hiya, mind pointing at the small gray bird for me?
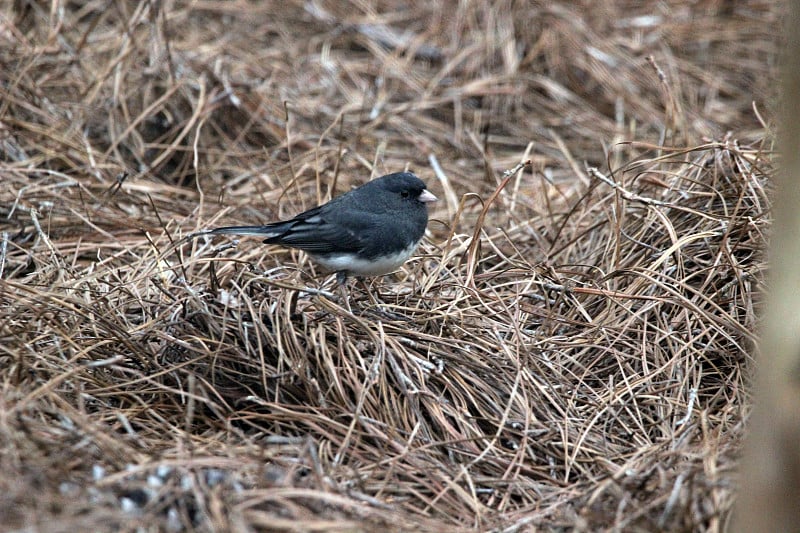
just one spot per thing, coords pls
(369, 231)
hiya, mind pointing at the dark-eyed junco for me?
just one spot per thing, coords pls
(369, 231)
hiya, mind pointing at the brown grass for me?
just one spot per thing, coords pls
(569, 350)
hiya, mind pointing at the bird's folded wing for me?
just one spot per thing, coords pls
(323, 234)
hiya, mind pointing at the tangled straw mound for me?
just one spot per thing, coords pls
(570, 349)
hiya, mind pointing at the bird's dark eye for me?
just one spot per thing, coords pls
(404, 194)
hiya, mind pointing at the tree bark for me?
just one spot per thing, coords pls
(769, 496)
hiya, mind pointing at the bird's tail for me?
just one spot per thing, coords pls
(267, 231)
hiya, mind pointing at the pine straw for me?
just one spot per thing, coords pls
(570, 349)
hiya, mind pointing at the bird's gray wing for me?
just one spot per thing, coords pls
(321, 232)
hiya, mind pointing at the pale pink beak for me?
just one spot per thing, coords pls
(427, 197)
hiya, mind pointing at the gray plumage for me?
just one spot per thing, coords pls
(371, 230)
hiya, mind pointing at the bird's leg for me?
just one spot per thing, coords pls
(341, 282)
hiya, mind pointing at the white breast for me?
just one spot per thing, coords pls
(362, 267)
